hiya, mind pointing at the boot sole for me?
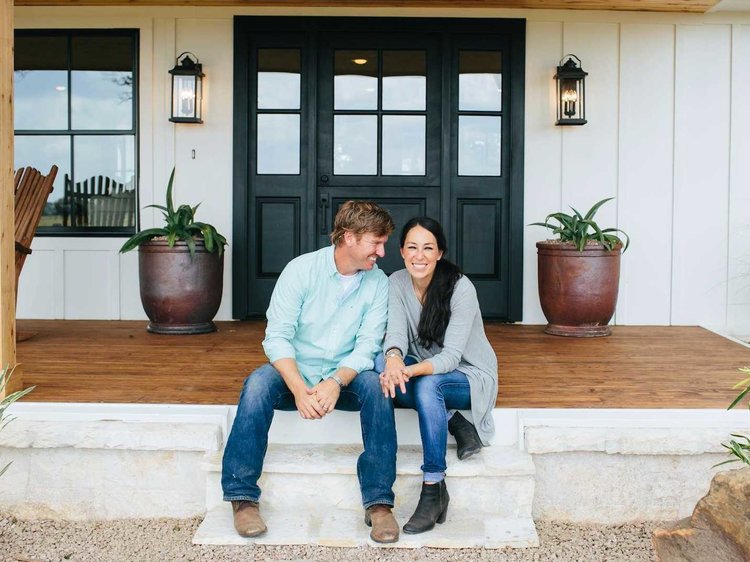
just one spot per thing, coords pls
(469, 453)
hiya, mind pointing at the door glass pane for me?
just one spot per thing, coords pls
(404, 80)
(278, 144)
(355, 81)
(42, 152)
(102, 83)
(41, 83)
(355, 145)
(480, 80)
(403, 145)
(278, 79)
(479, 141)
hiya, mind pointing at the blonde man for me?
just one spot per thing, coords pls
(326, 322)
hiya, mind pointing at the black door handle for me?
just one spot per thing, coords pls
(323, 203)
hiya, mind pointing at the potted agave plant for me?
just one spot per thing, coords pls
(181, 270)
(579, 273)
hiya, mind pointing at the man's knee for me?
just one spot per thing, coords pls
(368, 388)
(261, 384)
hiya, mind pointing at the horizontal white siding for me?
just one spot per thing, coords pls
(668, 135)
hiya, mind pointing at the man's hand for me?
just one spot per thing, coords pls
(307, 404)
(327, 393)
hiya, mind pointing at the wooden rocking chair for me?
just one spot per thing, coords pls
(32, 191)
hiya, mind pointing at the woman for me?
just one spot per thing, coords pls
(434, 317)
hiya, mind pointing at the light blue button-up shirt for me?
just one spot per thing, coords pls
(310, 322)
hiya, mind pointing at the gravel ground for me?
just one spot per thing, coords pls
(163, 540)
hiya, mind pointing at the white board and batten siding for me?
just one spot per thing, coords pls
(668, 136)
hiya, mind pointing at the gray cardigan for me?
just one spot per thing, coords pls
(466, 347)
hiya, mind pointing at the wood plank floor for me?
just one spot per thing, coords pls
(637, 367)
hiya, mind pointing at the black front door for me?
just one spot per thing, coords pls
(422, 116)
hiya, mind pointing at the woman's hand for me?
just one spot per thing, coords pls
(395, 374)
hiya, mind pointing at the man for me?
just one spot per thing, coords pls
(326, 322)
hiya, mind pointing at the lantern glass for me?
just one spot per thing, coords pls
(185, 104)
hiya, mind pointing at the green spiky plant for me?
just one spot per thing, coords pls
(739, 448)
(180, 225)
(581, 229)
(5, 374)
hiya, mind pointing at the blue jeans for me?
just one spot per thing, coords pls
(432, 396)
(265, 391)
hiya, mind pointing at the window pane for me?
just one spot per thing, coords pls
(480, 81)
(403, 145)
(278, 79)
(102, 83)
(479, 141)
(355, 82)
(355, 145)
(41, 99)
(104, 190)
(404, 80)
(278, 144)
(41, 52)
(41, 82)
(42, 152)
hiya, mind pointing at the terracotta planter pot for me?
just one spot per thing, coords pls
(180, 294)
(578, 290)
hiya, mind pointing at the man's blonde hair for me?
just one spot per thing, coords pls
(360, 217)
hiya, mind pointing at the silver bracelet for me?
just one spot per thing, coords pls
(394, 352)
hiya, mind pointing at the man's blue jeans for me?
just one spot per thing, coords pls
(265, 391)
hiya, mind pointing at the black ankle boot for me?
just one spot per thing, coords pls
(432, 508)
(467, 438)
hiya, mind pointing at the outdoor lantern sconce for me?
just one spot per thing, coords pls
(571, 92)
(187, 89)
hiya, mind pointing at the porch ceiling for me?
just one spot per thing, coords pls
(694, 6)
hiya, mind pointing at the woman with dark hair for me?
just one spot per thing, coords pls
(437, 360)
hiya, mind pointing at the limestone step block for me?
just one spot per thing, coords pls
(346, 528)
(498, 482)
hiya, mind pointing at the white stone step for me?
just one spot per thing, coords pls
(310, 495)
(346, 528)
(497, 482)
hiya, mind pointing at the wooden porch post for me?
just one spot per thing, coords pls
(7, 195)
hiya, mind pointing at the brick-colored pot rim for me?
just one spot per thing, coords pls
(568, 248)
(180, 246)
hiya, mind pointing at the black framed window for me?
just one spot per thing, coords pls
(76, 102)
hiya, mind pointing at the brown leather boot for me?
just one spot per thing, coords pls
(247, 519)
(384, 526)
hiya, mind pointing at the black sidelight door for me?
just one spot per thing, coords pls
(422, 116)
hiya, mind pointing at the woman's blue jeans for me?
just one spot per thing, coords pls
(265, 391)
(432, 396)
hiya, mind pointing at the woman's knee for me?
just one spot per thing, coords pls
(427, 390)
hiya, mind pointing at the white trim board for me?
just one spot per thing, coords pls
(342, 427)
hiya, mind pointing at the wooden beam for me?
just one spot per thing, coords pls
(7, 197)
(693, 6)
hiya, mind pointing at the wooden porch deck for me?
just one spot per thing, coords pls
(638, 367)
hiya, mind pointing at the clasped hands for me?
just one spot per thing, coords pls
(396, 374)
(320, 400)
